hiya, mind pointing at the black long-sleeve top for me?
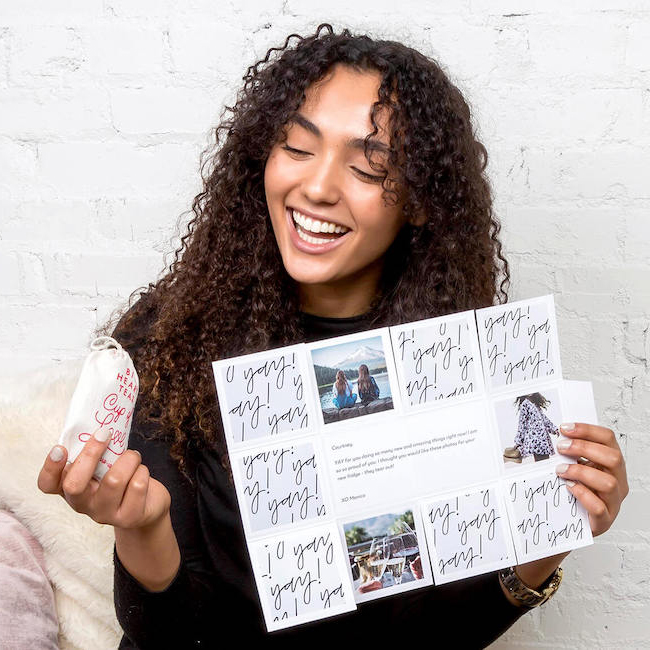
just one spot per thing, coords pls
(213, 599)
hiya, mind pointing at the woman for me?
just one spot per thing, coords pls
(534, 430)
(348, 193)
(342, 389)
(368, 389)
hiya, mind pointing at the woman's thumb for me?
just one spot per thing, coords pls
(49, 478)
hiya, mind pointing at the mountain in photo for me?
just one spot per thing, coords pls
(363, 354)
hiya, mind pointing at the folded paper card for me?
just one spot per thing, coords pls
(416, 454)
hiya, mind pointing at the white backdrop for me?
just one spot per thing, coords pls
(105, 106)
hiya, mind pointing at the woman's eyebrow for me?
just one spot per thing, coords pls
(353, 143)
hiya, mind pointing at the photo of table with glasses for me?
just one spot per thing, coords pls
(386, 560)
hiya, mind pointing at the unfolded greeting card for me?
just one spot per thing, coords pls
(388, 460)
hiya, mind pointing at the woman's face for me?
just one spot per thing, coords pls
(330, 221)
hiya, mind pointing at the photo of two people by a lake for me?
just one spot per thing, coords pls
(352, 379)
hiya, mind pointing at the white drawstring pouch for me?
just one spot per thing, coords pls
(105, 396)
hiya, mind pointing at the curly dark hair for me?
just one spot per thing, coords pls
(227, 292)
(536, 398)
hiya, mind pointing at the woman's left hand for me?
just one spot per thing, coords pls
(600, 483)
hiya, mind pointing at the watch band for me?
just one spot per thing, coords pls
(523, 594)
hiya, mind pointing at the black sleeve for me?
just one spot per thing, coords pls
(156, 620)
(177, 614)
(176, 617)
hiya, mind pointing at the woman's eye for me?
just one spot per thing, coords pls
(370, 177)
(286, 147)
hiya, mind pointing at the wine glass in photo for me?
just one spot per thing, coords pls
(378, 557)
(404, 545)
(410, 541)
(396, 567)
(397, 558)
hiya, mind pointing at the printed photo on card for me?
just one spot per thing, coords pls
(280, 486)
(468, 533)
(529, 426)
(302, 577)
(545, 518)
(264, 395)
(519, 342)
(437, 360)
(354, 377)
(387, 554)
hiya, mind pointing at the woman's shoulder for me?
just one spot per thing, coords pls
(134, 326)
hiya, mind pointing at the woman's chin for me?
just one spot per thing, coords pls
(309, 276)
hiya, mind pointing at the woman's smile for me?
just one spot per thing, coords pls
(312, 235)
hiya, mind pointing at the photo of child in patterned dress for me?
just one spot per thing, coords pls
(527, 427)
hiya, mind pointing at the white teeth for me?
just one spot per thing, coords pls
(313, 240)
(316, 226)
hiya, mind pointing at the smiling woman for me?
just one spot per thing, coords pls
(346, 192)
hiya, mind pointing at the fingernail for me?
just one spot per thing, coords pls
(102, 434)
(569, 483)
(56, 454)
(568, 426)
(563, 445)
(561, 468)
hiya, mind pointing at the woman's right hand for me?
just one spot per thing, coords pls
(127, 497)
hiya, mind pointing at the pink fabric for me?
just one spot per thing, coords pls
(27, 611)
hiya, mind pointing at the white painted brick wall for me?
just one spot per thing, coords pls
(106, 105)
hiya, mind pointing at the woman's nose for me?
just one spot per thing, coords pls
(321, 183)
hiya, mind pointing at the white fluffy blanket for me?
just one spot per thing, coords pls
(78, 551)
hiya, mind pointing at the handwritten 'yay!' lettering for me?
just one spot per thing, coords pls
(474, 525)
(429, 362)
(281, 486)
(547, 513)
(519, 344)
(275, 397)
(302, 576)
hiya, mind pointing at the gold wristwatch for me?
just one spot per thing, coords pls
(523, 594)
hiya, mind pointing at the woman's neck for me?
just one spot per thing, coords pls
(351, 297)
